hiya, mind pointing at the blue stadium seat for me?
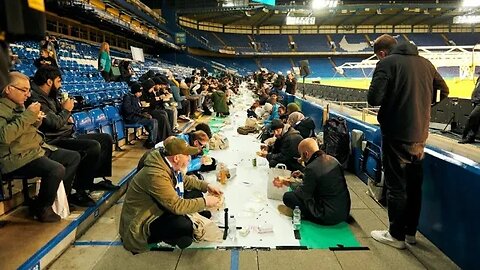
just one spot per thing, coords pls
(101, 122)
(83, 123)
(116, 120)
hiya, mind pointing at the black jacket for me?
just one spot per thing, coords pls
(404, 84)
(306, 127)
(291, 86)
(324, 190)
(49, 61)
(476, 92)
(285, 150)
(131, 110)
(55, 125)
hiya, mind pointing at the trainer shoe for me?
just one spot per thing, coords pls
(410, 239)
(285, 210)
(384, 237)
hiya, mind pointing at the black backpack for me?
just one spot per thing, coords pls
(336, 139)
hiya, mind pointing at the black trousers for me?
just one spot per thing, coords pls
(291, 200)
(164, 125)
(185, 108)
(169, 227)
(96, 152)
(53, 167)
(403, 165)
(473, 123)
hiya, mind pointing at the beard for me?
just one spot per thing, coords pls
(54, 92)
(184, 170)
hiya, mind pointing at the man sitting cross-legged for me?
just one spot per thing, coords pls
(323, 196)
(155, 208)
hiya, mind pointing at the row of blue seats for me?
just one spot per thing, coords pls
(96, 99)
(91, 86)
(103, 120)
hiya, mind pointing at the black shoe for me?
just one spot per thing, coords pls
(467, 140)
(47, 215)
(182, 242)
(105, 185)
(149, 145)
(81, 199)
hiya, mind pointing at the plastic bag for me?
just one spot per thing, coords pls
(274, 192)
(60, 205)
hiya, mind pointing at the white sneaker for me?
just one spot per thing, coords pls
(410, 239)
(385, 238)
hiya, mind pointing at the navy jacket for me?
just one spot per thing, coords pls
(131, 109)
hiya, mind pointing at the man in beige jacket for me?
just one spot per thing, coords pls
(154, 209)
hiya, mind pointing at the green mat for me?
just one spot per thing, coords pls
(216, 124)
(323, 237)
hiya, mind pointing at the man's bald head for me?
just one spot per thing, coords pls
(307, 148)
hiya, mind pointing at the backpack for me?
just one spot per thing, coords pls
(337, 139)
(246, 130)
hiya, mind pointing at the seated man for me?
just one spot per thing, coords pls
(323, 196)
(132, 113)
(155, 208)
(285, 148)
(154, 109)
(219, 99)
(24, 152)
(95, 149)
(304, 125)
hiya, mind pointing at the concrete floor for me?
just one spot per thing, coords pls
(367, 213)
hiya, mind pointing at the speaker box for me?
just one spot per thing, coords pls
(20, 21)
(304, 68)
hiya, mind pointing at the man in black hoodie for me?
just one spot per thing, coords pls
(404, 85)
(473, 122)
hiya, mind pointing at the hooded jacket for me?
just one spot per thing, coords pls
(404, 85)
(476, 92)
(306, 127)
(285, 150)
(151, 193)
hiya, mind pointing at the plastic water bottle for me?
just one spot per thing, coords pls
(232, 228)
(297, 216)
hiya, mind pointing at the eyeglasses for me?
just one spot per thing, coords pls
(24, 90)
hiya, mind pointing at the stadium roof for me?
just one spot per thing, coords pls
(348, 12)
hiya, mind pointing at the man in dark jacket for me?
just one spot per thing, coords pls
(323, 196)
(291, 84)
(95, 149)
(154, 109)
(473, 122)
(404, 85)
(285, 148)
(132, 113)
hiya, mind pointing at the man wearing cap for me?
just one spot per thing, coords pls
(163, 94)
(155, 208)
(132, 113)
(155, 110)
(285, 148)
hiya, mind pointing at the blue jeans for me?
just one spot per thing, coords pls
(151, 125)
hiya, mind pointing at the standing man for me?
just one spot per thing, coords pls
(404, 85)
(473, 122)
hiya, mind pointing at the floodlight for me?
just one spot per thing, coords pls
(470, 3)
(321, 4)
(466, 19)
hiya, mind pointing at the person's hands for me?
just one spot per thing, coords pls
(297, 174)
(41, 115)
(68, 104)
(211, 201)
(206, 160)
(214, 190)
(34, 107)
(262, 153)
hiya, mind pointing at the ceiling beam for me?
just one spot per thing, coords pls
(264, 19)
(389, 17)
